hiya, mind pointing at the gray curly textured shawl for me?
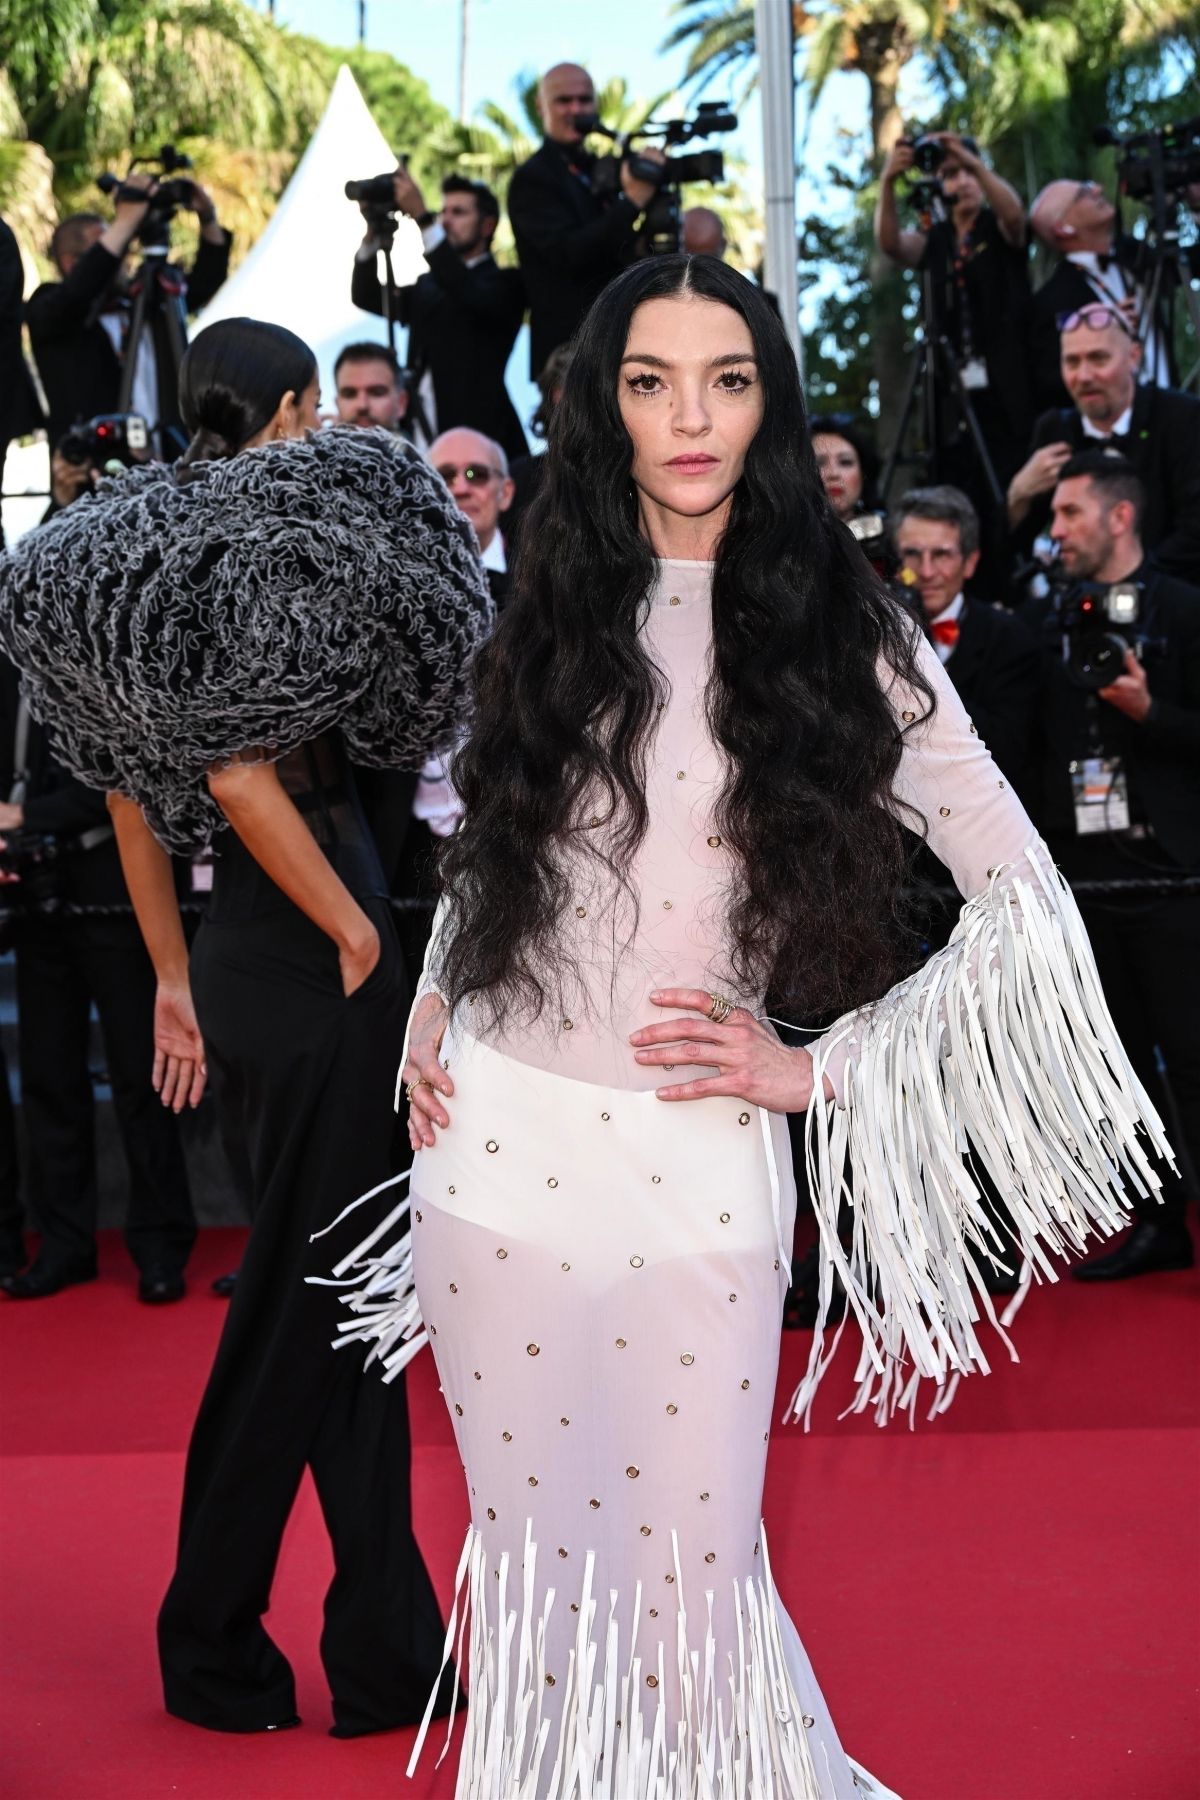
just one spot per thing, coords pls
(161, 627)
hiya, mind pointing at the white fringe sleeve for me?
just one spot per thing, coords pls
(1001, 1045)
(377, 1275)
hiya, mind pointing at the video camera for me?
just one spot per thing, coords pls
(377, 192)
(171, 193)
(1097, 623)
(1165, 160)
(120, 439)
(659, 232)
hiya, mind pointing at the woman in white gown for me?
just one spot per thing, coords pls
(697, 726)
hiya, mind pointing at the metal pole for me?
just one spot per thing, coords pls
(777, 91)
(362, 24)
(464, 18)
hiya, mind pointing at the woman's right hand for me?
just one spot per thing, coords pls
(425, 1108)
(180, 1071)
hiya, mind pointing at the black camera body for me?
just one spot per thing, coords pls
(122, 438)
(377, 192)
(154, 233)
(36, 859)
(1097, 623)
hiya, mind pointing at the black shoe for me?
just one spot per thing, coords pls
(224, 1285)
(999, 1282)
(159, 1287)
(41, 1279)
(1153, 1245)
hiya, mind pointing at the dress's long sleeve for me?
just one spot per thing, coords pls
(1000, 1045)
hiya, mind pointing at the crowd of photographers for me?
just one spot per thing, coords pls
(1052, 557)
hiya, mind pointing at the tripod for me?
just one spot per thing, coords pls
(383, 224)
(1168, 274)
(159, 318)
(934, 376)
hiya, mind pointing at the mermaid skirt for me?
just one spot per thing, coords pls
(602, 1276)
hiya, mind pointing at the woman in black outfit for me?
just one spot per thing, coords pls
(212, 644)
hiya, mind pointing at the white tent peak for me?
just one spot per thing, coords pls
(298, 273)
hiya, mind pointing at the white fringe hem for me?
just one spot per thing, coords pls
(740, 1733)
(1001, 1045)
(382, 1296)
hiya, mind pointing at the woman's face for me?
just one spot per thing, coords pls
(691, 401)
(841, 471)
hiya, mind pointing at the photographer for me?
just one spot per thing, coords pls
(57, 842)
(1120, 781)
(1078, 222)
(571, 241)
(463, 314)
(1156, 429)
(976, 259)
(77, 325)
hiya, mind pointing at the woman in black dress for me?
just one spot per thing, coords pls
(212, 644)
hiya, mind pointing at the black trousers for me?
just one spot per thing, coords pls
(63, 965)
(306, 1077)
(12, 1214)
(1148, 955)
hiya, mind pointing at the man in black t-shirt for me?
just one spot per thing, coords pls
(976, 258)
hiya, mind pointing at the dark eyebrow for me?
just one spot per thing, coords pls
(717, 362)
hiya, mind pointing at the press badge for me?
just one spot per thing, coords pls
(1101, 796)
(974, 373)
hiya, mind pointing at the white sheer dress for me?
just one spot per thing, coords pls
(601, 1274)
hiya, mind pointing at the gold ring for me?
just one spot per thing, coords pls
(410, 1090)
(720, 1009)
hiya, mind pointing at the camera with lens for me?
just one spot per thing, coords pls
(1098, 623)
(870, 532)
(377, 192)
(929, 153)
(659, 231)
(120, 438)
(1163, 161)
(35, 859)
(171, 193)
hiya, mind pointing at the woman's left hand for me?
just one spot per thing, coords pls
(753, 1065)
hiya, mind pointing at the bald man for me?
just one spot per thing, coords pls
(702, 233)
(571, 239)
(1077, 221)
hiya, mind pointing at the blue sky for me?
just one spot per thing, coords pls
(509, 38)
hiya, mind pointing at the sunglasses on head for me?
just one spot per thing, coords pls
(478, 474)
(1095, 318)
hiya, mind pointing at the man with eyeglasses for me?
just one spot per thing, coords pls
(987, 653)
(1078, 222)
(1156, 429)
(571, 240)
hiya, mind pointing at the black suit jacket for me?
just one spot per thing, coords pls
(462, 324)
(570, 243)
(995, 668)
(1161, 756)
(1164, 448)
(74, 353)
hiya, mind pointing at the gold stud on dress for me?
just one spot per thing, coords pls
(687, 1359)
(635, 1262)
(714, 843)
(533, 1350)
(491, 1146)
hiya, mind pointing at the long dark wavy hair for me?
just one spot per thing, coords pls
(566, 698)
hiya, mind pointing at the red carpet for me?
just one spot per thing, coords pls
(1003, 1606)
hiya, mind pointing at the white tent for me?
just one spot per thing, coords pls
(298, 273)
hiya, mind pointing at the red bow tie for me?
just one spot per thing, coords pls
(944, 631)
